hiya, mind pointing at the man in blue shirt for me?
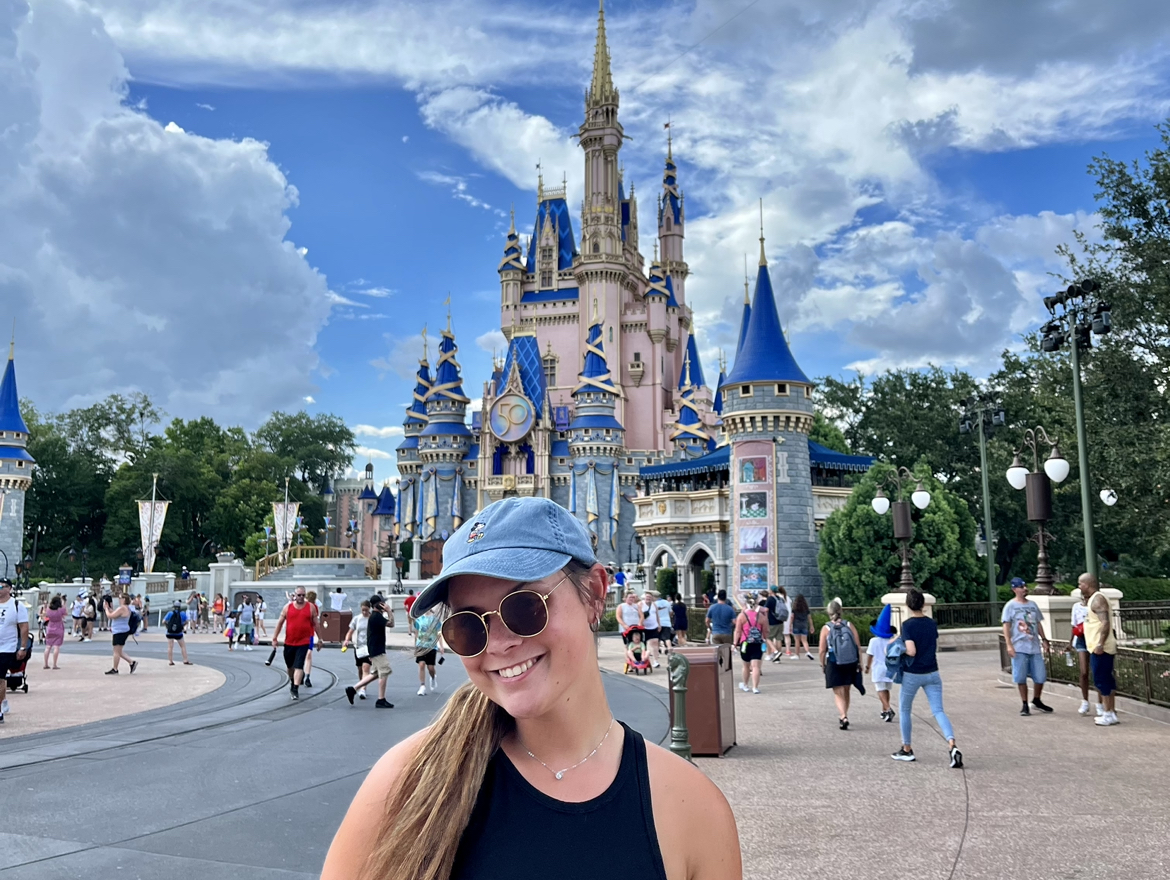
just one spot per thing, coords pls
(720, 621)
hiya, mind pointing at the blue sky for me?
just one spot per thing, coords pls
(240, 206)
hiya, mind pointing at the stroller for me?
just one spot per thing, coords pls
(18, 677)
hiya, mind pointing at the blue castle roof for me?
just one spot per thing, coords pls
(416, 414)
(717, 403)
(595, 373)
(832, 460)
(661, 285)
(743, 325)
(385, 503)
(525, 351)
(448, 382)
(559, 210)
(670, 195)
(10, 418)
(692, 355)
(764, 356)
(368, 494)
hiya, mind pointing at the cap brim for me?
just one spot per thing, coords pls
(505, 563)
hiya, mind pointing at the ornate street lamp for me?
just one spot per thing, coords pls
(903, 522)
(1038, 485)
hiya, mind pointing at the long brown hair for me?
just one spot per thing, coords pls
(428, 809)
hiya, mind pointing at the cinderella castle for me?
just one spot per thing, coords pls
(601, 402)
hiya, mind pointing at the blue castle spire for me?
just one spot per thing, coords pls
(385, 503)
(763, 354)
(445, 402)
(696, 365)
(595, 390)
(10, 417)
(660, 283)
(688, 428)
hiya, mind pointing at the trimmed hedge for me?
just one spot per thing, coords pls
(1133, 589)
(666, 582)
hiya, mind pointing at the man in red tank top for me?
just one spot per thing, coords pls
(299, 621)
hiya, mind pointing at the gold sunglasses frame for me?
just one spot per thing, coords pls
(487, 629)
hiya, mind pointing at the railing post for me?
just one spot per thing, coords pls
(680, 670)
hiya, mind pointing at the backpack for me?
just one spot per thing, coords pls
(777, 614)
(755, 637)
(896, 660)
(841, 644)
(175, 623)
(135, 619)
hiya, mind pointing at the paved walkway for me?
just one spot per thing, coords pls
(1049, 796)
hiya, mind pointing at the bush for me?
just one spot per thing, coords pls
(609, 622)
(1004, 591)
(1139, 589)
(706, 580)
(666, 581)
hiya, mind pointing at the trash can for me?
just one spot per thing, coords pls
(332, 626)
(710, 699)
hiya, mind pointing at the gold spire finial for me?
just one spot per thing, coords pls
(601, 90)
(655, 250)
(747, 298)
(12, 344)
(687, 368)
(594, 310)
(447, 303)
(512, 223)
(539, 182)
(424, 336)
(763, 259)
(669, 141)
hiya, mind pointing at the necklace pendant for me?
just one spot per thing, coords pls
(560, 774)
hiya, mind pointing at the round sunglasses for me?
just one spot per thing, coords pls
(523, 612)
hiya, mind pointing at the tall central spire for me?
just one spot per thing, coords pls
(601, 90)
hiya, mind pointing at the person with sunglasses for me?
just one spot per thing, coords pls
(529, 745)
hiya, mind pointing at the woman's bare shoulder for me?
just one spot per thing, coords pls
(692, 818)
(351, 844)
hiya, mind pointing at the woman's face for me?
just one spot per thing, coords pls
(631, 599)
(542, 669)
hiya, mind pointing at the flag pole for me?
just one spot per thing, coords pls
(150, 537)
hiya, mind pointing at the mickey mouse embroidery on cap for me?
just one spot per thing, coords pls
(476, 533)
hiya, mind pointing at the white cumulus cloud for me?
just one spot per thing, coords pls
(373, 431)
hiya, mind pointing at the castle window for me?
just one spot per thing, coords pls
(546, 279)
(807, 391)
(596, 247)
(637, 357)
(782, 389)
(745, 390)
(546, 255)
(607, 434)
(550, 371)
(629, 461)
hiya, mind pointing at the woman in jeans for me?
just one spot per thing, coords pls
(801, 619)
(920, 670)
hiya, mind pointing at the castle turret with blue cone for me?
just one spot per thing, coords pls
(16, 467)
(409, 464)
(767, 416)
(444, 444)
(596, 441)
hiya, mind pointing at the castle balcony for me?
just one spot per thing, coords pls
(827, 499)
(666, 513)
(636, 370)
(500, 486)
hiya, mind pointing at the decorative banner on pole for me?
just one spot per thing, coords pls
(430, 504)
(614, 510)
(457, 500)
(151, 516)
(591, 512)
(284, 518)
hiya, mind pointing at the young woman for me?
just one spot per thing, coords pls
(526, 762)
(120, 626)
(54, 631)
(840, 650)
(650, 624)
(751, 634)
(629, 615)
(1079, 612)
(920, 672)
(358, 629)
(801, 620)
(311, 597)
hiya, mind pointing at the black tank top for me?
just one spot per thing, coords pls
(520, 833)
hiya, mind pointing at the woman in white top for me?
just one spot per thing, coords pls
(650, 624)
(1079, 612)
(629, 615)
(358, 631)
(261, 608)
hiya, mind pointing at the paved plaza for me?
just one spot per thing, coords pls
(240, 779)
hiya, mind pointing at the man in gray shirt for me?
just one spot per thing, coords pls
(1023, 630)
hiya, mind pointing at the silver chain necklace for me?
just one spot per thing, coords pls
(560, 774)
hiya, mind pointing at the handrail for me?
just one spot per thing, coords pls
(283, 558)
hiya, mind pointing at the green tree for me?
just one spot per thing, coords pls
(860, 561)
(320, 447)
(827, 434)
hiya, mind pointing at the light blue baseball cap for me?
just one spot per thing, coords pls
(517, 539)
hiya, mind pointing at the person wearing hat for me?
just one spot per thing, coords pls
(526, 762)
(875, 660)
(14, 640)
(174, 624)
(1023, 631)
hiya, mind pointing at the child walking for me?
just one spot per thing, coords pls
(875, 660)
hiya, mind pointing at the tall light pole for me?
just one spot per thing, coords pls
(903, 522)
(1081, 315)
(984, 415)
